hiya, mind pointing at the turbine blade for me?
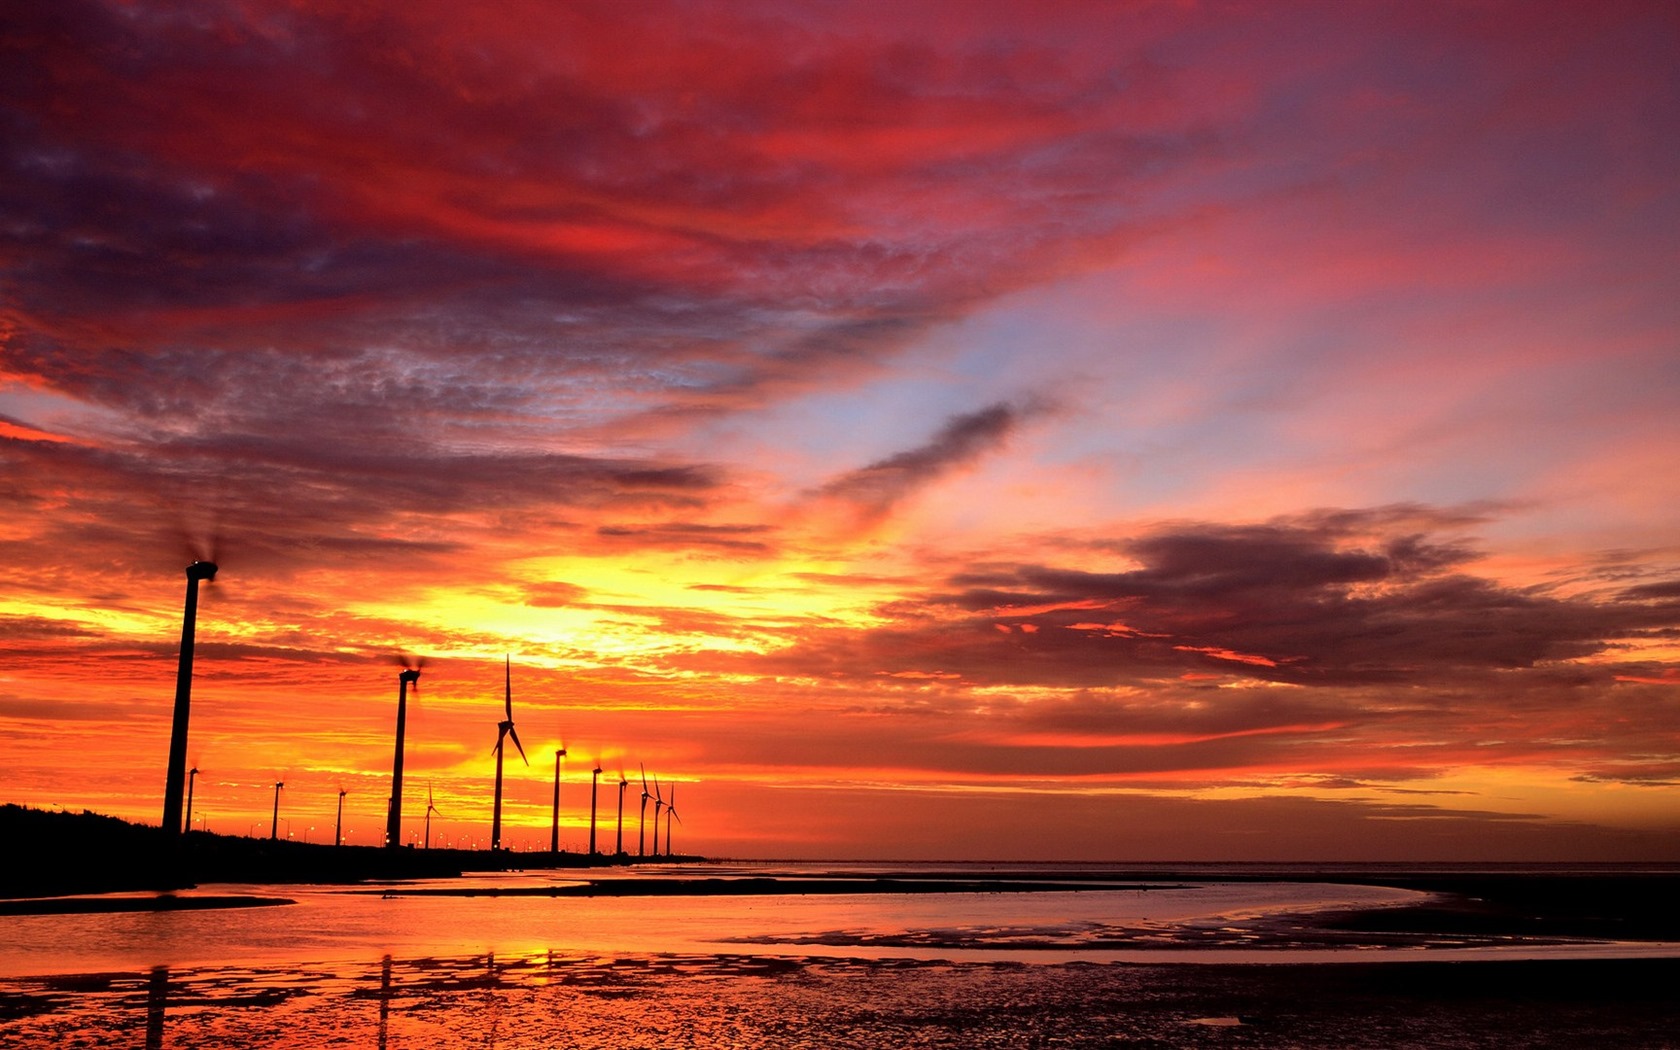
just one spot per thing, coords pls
(644, 777)
(515, 734)
(507, 671)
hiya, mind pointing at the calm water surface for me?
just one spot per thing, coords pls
(392, 969)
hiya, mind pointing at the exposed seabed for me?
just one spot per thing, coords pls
(745, 1002)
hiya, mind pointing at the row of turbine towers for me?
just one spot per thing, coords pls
(178, 777)
(410, 676)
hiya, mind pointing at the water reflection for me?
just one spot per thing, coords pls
(384, 999)
(157, 994)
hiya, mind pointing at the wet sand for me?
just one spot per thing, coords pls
(745, 1002)
(843, 987)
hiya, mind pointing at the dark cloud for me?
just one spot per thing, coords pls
(875, 489)
(181, 187)
(1322, 602)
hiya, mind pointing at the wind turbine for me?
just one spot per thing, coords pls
(554, 830)
(393, 818)
(177, 772)
(274, 822)
(671, 812)
(430, 809)
(622, 784)
(658, 801)
(504, 729)
(338, 829)
(594, 785)
(192, 778)
(641, 829)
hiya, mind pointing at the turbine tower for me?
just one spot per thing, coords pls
(641, 828)
(192, 778)
(274, 822)
(622, 784)
(504, 729)
(594, 786)
(658, 802)
(670, 813)
(393, 819)
(554, 829)
(338, 829)
(176, 776)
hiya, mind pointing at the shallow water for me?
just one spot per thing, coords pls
(395, 967)
(327, 924)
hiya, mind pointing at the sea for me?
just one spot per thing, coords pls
(1152, 959)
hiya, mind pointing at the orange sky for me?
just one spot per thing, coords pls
(1109, 431)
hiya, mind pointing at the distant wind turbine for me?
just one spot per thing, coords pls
(641, 828)
(658, 802)
(176, 775)
(670, 814)
(192, 778)
(430, 809)
(622, 784)
(393, 818)
(274, 826)
(554, 829)
(504, 729)
(594, 786)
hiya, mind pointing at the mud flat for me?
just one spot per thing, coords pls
(745, 1002)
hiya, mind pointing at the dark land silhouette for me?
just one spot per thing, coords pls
(56, 853)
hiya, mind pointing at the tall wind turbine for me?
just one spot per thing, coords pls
(274, 821)
(658, 802)
(176, 776)
(338, 829)
(554, 829)
(594, 786)
(192, 778)
(430, 809)
(670, 814)
(393, 818)
(641, 829)
(504, 729)
(622, 784)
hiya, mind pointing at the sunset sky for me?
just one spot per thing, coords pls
(1113, 431)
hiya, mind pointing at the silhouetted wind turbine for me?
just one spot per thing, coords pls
(670, 813)
(594, 785)
(658, 801)
(192, 778)
(274, 826)
(430, 809)
(393, 818)
(622, 784)
(338, 829)
(641, 828)
(176, 775)
(504, 729)
(554, 829)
